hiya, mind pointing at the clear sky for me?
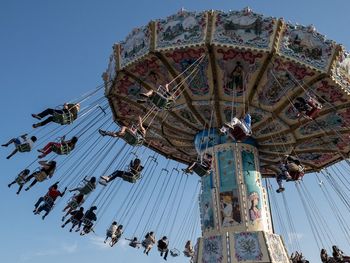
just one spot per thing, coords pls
(53, 51)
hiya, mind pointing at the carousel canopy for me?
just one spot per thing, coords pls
(227, 64)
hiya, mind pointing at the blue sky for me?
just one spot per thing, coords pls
(53, 51)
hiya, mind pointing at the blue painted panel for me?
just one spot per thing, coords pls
(253, 189)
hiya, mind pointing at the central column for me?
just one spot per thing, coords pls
(235, 217)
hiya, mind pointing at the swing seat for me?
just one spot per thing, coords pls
(64, 149)
(133, 139)
(40, 176)
(25, 147)
(296, 175)
(188, 254)
(87, 222)
(74, 221)
(162, 250)
(131, 179)
(174, 252)
(64, 118)
(294, 168)
(48, 202)
(161, 101)
(20, 180)
(115, 240)
(238, 134)
(200, 169)
(313, 112)
(145, 243)
(74, 203)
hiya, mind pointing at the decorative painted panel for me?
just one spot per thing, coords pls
(212, 250)
(182, 60)
(182, 29)
(281, 77)
(229, 195)
(251, 179)
(151, 71)
(136, 45)
(237, 68)
(341, 71)
(273, 127)
(331, 121)
(206, 203)
(306, 45)
(247, 246)
(244, 28)
(276, 248)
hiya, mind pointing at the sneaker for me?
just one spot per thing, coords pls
(143, 95)
(102, 182)
(289, 179)
(40, 150)
(27, 189)
(8, 185)
(63, 226)
(36, 116)
(140, 101)
(43, 217)
(187, 171)
(63, 219)
(280, 190)
(105, 177)
(70, 230)
(102, 132)
(35, 125)
(4, 145)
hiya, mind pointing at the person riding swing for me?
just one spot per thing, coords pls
(21, 179)
(63, 116)
(73, 204)
(75, 219)
(131, 176)
(48, 200)
(132, 135)
(308, 108)
(163, 245)
(46, 170)
(22, 144)
(87, 221)
(161, 98)
(61, 148)
(290, 170)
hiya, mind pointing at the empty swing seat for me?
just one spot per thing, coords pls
(201, 169)
(25, 147)
(238, 134)
(174, 252)
(64, 118)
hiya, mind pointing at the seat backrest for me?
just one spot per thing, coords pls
(24, 147)
(132, 139)
(64, 118)
(200, 169)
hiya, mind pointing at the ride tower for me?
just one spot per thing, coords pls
(219, 65)
(235, 217)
